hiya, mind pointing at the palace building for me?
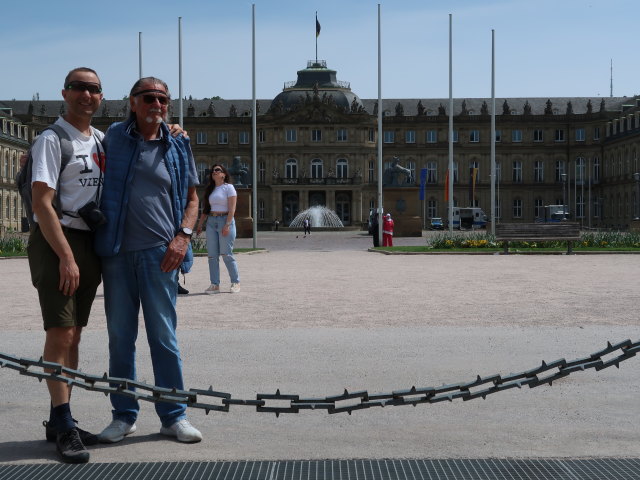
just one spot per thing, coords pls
(317, 145)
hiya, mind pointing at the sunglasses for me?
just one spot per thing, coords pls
(152, 98)
(216, 170)
(92, 88)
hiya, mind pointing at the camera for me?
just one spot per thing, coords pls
(92, 216)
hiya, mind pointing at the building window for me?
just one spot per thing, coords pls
(517, 171)
(223, 138)
(372, 135)
(475, 166)
(516, 135)
(342, 167)
(580, 170)
(559, 135)
(261, 209)
(538, 208)
(243, 138)
(596, 170)
(538, 135)
(410, 136)
(538, 171)
(579, 206)
(579, 134)
(292, 135)
(517, 208)
(316, 168)
(596, 133)
(432, 208)
(432, 136)
(203, 171)
(201, 138)
(316, 135)
(498, 136)
(559, 170)
(432, 173)
(291, 168)
(389, 136)
(341, 135)
(455, 136)
(262, 136)
(372, 169)
(498, 172)
(411, 166)
(262, 172)
(455, 172)
(474, 136)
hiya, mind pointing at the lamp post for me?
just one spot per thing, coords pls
(563, 176)
(636, 177)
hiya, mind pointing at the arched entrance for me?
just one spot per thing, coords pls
(343, 207)
(290, 206)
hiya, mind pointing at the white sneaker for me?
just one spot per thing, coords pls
(212, 289)
(116, 431)
(183, 431)
(235, 288)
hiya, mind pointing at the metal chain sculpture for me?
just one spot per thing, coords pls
(278, 403)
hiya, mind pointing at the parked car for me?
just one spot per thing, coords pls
(436, 224)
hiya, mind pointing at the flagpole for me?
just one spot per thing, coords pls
(181, 121)
(493, 133)
(254, 128)
(380, 205)
(316, 37)
(139, 54)
(451, 173)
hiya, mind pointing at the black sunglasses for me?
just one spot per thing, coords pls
(152, 98)
(92, 88)
(217, 170)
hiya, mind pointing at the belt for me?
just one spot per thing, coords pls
(218, 214)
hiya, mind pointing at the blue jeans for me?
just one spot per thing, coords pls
(217, 245)
(132, 279)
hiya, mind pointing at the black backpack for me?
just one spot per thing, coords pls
(24, 177)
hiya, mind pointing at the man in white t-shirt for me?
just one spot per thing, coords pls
(64, 267)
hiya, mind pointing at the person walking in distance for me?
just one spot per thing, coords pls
(387, 231)
(219, 200)
(64, 268)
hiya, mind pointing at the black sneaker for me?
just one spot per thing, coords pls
(87, 438)
(70, 447)
(182, 290)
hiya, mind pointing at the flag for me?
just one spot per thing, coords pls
(446, 186)
(472, 184)
(317, 27)
(423, 182)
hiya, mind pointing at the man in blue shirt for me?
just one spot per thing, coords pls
(150, 202)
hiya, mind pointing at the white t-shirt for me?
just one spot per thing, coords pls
(219, 198)
(79, 180)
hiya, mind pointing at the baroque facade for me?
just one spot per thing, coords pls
(14, 141)
(317, 145)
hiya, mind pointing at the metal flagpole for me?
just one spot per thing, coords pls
(380, 204)
(181, 121)
(451, 174)
(254, 123)
(139, 54)
(493, 133)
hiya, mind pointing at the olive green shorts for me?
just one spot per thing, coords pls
(60, 310)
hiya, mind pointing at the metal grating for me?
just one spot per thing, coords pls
(446, 469)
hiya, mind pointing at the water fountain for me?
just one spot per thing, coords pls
(320, 216)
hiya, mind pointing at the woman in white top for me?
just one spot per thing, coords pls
(219, 208)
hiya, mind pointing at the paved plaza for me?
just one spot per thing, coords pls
(321, 314)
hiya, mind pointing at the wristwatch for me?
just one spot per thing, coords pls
(186, 231)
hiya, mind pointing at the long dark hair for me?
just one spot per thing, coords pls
(212, 185)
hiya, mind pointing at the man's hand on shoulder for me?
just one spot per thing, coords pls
(176, 130)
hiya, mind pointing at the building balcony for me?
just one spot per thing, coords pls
(356, 180)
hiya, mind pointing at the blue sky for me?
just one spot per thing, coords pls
(547, 48)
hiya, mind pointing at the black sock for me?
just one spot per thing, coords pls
(62, 418)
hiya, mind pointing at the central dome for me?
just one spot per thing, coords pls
(316, 82)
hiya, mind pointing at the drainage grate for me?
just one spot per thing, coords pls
(475, 469)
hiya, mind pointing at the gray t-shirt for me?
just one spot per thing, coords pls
(150, 221)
